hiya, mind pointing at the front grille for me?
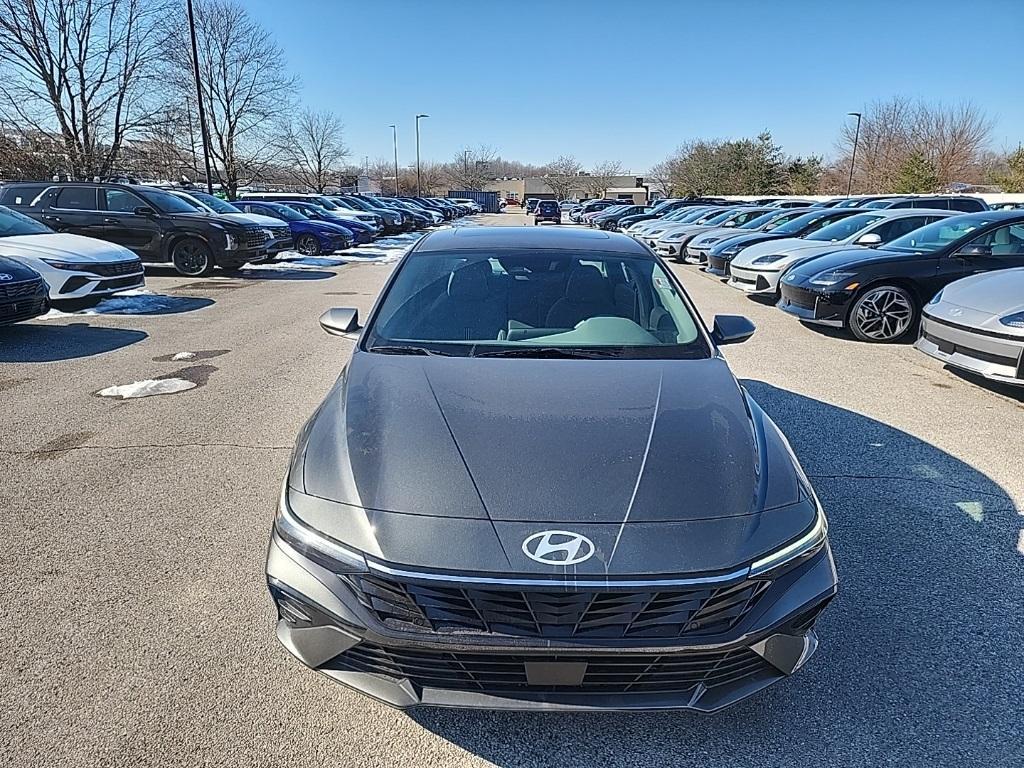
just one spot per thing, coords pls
(498, 674)
(121, 282)
(611, 614)
(950, 348)
(254, 238)
(13, 311)
(281, 233)
(799, 298)
(744, 280)
(116, 268)
(16, 290)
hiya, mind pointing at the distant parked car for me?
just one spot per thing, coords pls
(23, 292)
(392, 221)
(361, 231)
(696, 251)
(878, 293)
(311, 237)
(590, 206)
(531, 204)
(758, 268)
(279, 235)
(547, 210)
(810, 220)
(977, 324)
(932, 202)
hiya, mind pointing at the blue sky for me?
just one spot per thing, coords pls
(629, 80)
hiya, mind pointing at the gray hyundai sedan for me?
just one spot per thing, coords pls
(537, 485)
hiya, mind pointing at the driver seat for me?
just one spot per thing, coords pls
(587, 294)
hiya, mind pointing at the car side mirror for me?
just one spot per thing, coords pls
(971, 251)
(340, 321)
(732, 329)
(871, 238)
(144, 210)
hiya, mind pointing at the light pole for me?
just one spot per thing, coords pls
(394, 137)
(199, 99)
(853, 159)
(418, 153)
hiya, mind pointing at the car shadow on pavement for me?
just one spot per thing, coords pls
(47, 343)
(920, 656)
(1006, 390)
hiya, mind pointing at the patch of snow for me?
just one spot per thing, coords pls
(139, 301)
(147, 388)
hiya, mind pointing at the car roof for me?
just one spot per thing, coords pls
(478, 238)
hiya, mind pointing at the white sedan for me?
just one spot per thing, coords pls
(74, 267)
(759, 268)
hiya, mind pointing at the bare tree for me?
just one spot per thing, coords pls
(245, 87)
(313, 148)
(661, 176)
(471, 168)
(82, 69)
(562, 175)
(382, 174)
(601, 177)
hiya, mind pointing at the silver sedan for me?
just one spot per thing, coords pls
(977, 324)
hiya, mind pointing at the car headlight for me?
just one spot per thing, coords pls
(230, 243)
(832, 277)
(1015, 320)
(805, 544)
(768, 259)
(67, 265)
(938, 297)
(318, 547)
(732, 250)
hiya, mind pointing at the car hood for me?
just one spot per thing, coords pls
(69, 248)
(743, 241)
(435, 461)
(252, 218)
(15, 271)
(998, 293)
(715, 235)
(853, 258)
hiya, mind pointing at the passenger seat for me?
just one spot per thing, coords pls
(587, 294)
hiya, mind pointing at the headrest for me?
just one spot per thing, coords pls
(470, 281)
(586, 284)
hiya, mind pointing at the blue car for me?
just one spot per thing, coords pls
(363, 233)
(312, 237)
(23, 292)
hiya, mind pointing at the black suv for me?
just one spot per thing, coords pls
(547, 210)
(157, 225)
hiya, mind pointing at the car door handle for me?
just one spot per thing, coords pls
(49, 217)
(110, 221)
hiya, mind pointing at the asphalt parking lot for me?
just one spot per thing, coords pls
(138, 629)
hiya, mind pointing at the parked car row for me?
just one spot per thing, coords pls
(885, 270)
(84, 241)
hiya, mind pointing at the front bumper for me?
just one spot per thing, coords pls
(823, 308)
(331, 628)
(754, 280)
(696, 256)
(995, 357)
(80, 285)
(670, 248)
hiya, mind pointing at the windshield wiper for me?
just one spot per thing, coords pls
(550, 352)
(406, 349)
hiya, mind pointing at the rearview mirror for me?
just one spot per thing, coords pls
(969, 251)
(144, 210)
(871, 238)
(732, 329)
(340, 321)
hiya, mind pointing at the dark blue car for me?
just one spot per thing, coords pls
(23, 292)
(363, 233)
(312, 237)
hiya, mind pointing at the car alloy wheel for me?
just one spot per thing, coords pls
(308, 245)
(884, 313)
(192, 258)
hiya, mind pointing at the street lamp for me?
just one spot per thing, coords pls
(853, 159)
(199, 99)
(418, 153)
(394, 137)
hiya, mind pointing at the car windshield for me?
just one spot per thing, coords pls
(760, 221)
(214, 202)
(14, 223)
(936, 236)
(718, 218)
(167, 202)
(543, 303)
(801, 222)
(685, 215)
(286, 213)
(844, 228)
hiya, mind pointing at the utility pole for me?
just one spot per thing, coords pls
(199, 99)
(853, 159)
(418, 153)
(394, 137)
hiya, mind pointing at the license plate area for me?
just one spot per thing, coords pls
(555, 672)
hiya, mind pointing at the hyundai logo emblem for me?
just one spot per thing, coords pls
(558, 547)
(5, 277)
